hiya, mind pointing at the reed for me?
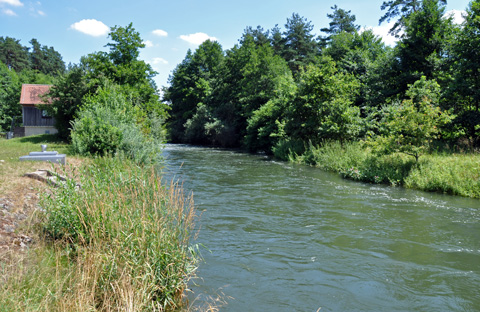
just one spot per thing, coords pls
(115, 239)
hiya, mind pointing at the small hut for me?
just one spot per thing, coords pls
(35, 120)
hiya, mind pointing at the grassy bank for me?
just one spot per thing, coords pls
(113, 238)
(11, 170)
(450, 173)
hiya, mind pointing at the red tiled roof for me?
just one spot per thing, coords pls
(31, 93)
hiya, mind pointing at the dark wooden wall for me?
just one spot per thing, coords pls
(32, 116)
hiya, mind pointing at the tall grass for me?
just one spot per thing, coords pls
(456, 174)
(117, 240)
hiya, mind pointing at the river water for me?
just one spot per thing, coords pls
(285, 237)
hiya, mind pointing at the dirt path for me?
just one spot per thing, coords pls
(20, 204)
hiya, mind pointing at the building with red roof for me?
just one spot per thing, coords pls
(35, 119)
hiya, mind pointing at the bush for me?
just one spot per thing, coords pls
(94, 136)
(107, 124)
(288, 149)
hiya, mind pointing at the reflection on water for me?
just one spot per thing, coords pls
(283, 237)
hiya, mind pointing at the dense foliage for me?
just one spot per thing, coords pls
(278, 90)
(120, 66)
(18, 65)
(107, 123)
(38, 58)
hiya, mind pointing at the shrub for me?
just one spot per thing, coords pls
(355, 161)
(288, 149)
(107, 124)
(410, 127)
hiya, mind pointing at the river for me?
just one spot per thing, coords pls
(285, 237)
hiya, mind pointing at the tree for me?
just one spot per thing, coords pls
(276, 40)
(13, 54)
(299, 48)
(341, 21)
(423, 45)
(190, 84)
(121, 66)
(266, 126)
(259, 35)
(354, 51)
(381, 83)
(126, 44)
(323, 106)
(402, 9)
(45, 59)
(10, 87)
(248, 79)
(67, 95)
(464, 90)
(410, 127)
(357, 53)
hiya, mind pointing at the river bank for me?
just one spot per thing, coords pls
(444, 172)
(113, 237)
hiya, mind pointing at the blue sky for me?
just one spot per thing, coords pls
(169, 28)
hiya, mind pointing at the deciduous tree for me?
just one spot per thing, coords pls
(410, 126)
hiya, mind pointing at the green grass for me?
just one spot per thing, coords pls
(12, 170)
(446, 172)
(23, 146)
(456, 174)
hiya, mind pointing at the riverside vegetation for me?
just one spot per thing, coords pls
(112, 237)
(287, 92)
(407, 115)
(404, 115)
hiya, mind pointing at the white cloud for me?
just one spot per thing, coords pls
(382, 32)
(160, 33)
(457, 16)
(9, 12)
(148, 43)
(91, 27)
(12, 2)
(197, 38)
(159, 61)
(41, 13)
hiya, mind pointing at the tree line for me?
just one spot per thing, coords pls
(285, 87)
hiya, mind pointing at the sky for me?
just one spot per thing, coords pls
(76, 28)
